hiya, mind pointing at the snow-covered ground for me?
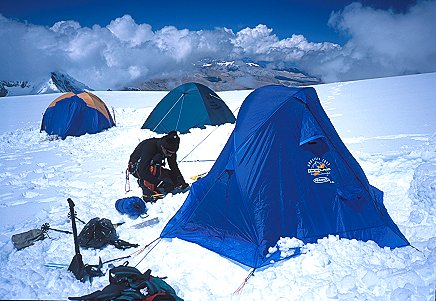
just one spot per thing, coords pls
(388, 124)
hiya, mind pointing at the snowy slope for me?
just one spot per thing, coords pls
(386, 123)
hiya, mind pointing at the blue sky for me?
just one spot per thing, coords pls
(110, 46)
(285, 17)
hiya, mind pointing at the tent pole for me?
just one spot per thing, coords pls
(183, 94)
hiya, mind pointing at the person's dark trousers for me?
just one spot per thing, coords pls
(168, 177)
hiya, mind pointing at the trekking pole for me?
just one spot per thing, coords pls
(45, 227)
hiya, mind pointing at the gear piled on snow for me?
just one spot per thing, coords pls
(128, 283)
(99, 232)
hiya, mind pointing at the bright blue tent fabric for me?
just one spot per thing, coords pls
(191, 105)
(284, 172)
(74, 114)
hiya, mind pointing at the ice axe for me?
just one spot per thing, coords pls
(76, 266)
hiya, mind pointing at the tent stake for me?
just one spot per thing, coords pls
(239, 289)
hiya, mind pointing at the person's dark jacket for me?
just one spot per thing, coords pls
(149, 152)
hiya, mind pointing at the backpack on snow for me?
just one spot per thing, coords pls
(157, 288)
(132, 277)
(98, 233)
(128, 283)
(112, 293)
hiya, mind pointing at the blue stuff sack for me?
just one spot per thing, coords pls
(132, 206)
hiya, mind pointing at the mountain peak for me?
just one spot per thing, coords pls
(66, 83)
(58, 82)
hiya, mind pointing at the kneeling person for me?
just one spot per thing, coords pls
(147, 164)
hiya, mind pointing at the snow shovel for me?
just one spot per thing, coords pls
(76, 266)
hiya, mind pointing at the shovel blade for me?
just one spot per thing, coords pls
(77, 267)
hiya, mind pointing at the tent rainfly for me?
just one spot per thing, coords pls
(191, 105)
(74, 114)
(284, 172)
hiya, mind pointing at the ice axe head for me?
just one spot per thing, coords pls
(77, 267)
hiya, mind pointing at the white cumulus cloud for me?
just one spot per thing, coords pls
(380, 43)
(127, 30)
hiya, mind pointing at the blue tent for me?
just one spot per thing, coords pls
(74, 114)
(187, 106)
(284, 172)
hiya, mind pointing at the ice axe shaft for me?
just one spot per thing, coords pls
(76, 266)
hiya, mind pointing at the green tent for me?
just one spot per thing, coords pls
(191, 105)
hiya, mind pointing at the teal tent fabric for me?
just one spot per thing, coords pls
(191, 105)
(284, 172)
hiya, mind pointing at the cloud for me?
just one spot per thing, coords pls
(104, 57)
(259, 43)
(125, 29)
(256, 40)
(380, 43)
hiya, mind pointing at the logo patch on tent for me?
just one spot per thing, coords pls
(320, 169)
